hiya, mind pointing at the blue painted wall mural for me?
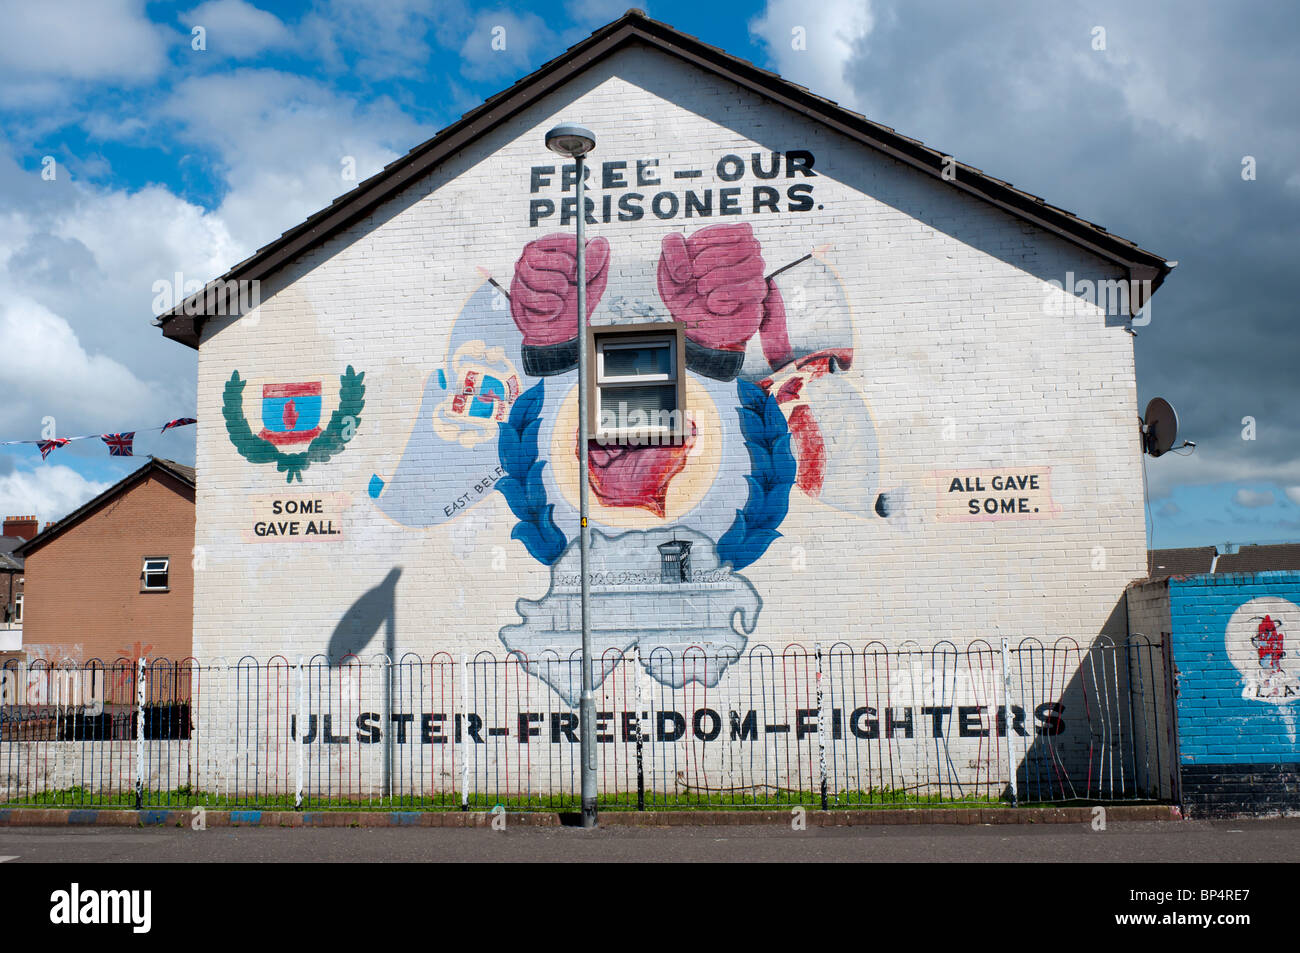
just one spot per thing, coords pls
(1239, 676)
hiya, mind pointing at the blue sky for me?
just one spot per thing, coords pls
(172, 159)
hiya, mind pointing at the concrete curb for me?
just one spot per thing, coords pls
(59, 817)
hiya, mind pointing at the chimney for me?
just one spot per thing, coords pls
(24, 527)
(51, 523)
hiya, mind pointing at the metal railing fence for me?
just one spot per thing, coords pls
(828, 725)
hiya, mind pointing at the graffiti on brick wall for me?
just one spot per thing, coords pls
(1256, 639)
(772, 410)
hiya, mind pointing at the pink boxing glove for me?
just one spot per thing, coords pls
(544, 299)
(713, 283)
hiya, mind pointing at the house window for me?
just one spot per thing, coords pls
(638, 388)
(154, 574)
(18, 607)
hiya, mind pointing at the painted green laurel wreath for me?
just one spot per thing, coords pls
(333, 439)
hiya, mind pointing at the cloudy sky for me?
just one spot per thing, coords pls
(167, 159)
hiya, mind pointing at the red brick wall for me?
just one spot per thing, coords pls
(83, 595)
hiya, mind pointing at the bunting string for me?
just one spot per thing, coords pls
(119, 444)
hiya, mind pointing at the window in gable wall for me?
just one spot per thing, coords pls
(637, 388)
(154, 574)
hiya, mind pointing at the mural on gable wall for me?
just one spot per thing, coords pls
(1255, 639)
(776, 417)
(771, 412)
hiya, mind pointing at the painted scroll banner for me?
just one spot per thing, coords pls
(987, 495)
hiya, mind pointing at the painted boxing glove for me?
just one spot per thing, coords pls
(713, 283)
(544, 300)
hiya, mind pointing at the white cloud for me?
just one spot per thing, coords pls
(77, 268)
(287, 161)
(834, 32)
(50, 491)
(503, 44)
(78, 261)
(1218, 463)
(148, 233)
(103, 125)
(25, 93)
(1253, 498)
(81, 40)
(1293, 494)
(48, 373)
(383, 40)
(237, 29)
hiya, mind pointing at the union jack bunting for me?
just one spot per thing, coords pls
(119, 444)
(45, 446)
(178, 422)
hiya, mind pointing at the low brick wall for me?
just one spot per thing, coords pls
(1225, 790)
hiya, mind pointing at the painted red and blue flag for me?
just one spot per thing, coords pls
(46, 446)
(178, 422)
(119, 444)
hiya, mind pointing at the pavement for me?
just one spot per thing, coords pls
(1233, 841)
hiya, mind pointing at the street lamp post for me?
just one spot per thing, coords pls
(575, 142)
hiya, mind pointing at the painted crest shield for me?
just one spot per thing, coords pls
(290, 413)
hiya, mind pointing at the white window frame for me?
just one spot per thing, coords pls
(18, 608)
(617, 337)
(146, 572)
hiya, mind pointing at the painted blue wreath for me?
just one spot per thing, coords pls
(772, 474)
(522, 485)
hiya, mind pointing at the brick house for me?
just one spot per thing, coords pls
(896, 407)
(17, 530)
(114, 578)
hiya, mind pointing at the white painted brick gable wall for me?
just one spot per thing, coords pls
(958, 364)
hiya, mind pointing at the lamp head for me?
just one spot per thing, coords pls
(572, 141)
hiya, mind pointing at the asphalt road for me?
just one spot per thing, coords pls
(1125, 842)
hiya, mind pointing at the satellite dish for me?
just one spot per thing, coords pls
(1159, 427)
